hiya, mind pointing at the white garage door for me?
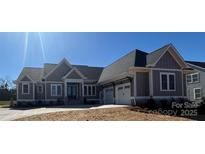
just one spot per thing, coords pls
(108, 96)
(123, 94)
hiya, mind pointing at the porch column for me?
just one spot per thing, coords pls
(151, 83)
(65, 89)
(135, 85)
(82, 88)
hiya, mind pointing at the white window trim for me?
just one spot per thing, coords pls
(56, 85)
(39, 92)
(195, 93)
(168, 88)
(25, 83)
(87, 85)
(192, 79)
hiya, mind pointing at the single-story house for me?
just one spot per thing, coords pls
(137, 76)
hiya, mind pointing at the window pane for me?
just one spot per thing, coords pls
(195, 77)
(58, 90)
(171, 82)
(53, 90)
(164, 82)
(94, 90)
(188, 78)
(85, 90)
(25, 88)
(197, 93)
(89, 90)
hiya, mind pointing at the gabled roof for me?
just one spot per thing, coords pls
(74, 72)
(48, 67)
(37, 74)
(91, 73)
(134, 58)
(198, 64)
(34, 73)
(155, 55)
(137, 58)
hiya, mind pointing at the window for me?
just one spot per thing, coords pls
(167, 82)
(56, 90)
(25, 88)
(94, 90)
(40, 89)
(85, 91)
(189, 78)
(89, 90)
(193, 78)
(164, 82)
(171, 82)
(197, 93)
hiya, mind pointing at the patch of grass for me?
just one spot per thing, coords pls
(4, 103)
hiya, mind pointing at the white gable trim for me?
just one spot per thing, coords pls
(171, 46)
(57, 66)
(25, 81)
(77, 71)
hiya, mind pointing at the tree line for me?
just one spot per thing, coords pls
(7, 90)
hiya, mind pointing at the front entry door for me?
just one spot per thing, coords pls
(72, 91)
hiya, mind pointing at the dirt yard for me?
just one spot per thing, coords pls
(105, 114)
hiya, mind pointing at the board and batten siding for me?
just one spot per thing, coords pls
(156, 84)
(142, 83)
(167, 61)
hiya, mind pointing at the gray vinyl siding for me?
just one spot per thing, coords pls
(201, 84)
(61, 71)
(25, 96)
(48, 91)
(142, 83)
(167, 61)
(156, 84)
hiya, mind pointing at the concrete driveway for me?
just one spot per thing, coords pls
(7, 114)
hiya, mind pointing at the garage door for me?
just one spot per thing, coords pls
(123, 94)
(108, 96)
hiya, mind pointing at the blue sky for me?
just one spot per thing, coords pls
(94, 49)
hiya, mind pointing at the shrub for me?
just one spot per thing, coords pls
(151, 103)
(165, 104)
(60, 101)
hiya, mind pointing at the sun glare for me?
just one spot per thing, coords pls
(26, 47)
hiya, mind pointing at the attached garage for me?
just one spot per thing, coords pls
(108, 96)
(123, 93)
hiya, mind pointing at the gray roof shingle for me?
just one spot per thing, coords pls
(92, 73)
(200, 64)
(134, 58)
(34, 73)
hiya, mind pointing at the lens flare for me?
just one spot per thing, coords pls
(42, 47)
(25, 47)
